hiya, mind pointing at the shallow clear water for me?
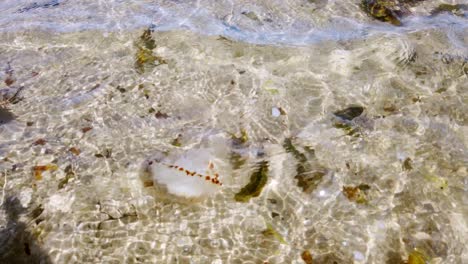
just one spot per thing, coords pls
(82, 94)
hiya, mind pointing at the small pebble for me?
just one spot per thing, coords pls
(275, 112)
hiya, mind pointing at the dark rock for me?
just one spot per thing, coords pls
(349, 113)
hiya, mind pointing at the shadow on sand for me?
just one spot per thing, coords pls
(5, 116)
(17, 244)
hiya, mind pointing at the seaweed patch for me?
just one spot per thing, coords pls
(389, 11)
(144, 57)
(238, 142)
(344, 118)
(307, 178)
(241, 140)
(271, 232)
(75, 151)
(38, 170)
(258, 180)
(307, 257)
(356, 194)
(381, 10)
(177, 142)
(407, 164)
(69, 174)
(417, 257)
(457, 9)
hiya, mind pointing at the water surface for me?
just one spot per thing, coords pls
(97, 99)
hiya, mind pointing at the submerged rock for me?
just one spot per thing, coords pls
(349, 113)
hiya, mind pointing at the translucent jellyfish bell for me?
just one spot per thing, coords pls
(194, 173)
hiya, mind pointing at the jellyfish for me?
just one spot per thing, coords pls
(197, 172)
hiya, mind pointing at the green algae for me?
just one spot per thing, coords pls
(237, 160)
(348, 129)
(416, 257)
(390, 11)
(238, 142)
(407, 164)
(381, 10)
(270, 87)
(439, 182)
(344, 118)
(145, 57)
(456, 9)
(69, 174)
(177, 142)
(258, 180)
(290, 148)
(307, 178)
(147, 40)
(271, 232)
(356, 194)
